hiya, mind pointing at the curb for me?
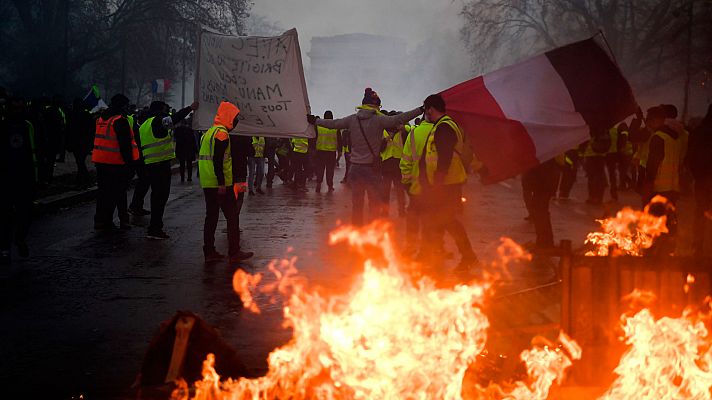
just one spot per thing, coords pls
(73, 197)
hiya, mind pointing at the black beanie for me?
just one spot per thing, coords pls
(371, 97)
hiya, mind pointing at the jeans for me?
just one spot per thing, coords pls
(443, 205)
(392, 178)
(365, 181)
(255, 172)
(298, 163)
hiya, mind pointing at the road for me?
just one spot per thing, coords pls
(78, 315)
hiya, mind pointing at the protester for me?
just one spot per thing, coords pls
(256, 166)
(115, 150)
(80, 138)
(298, 161)
(327, 143)
(271, 146)
(18, 172)
(216, 179)
(539, 186)
(390, 169)
(366, 127)
(186, 149)
(410, 177)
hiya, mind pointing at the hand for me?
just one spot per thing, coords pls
(311, 119)
(221, 190)
(194, 106)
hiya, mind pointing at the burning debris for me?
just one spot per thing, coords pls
(631, 232)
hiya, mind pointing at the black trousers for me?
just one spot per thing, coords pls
(142, 185)
(214, 203)
(82, 171)
(325, 163)
(298, 164)
(112, 182)
(413, 223)
(539, 186)
(271, 169)
(596, 173)
(183, 165)
(445, 203)
(15, 215)
(159, 177)
(612, 169)
(703, 204)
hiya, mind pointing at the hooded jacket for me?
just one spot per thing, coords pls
(224, 117)
(373, 123)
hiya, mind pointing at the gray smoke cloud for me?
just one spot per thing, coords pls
(432, 59)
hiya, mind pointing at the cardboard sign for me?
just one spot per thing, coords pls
(262, 76)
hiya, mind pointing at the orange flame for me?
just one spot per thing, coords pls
(392, 336)
(630, 231)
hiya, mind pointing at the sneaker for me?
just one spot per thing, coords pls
(22, 249)
(240, 256)
(331, 189)
(213, 256)
(157, 235)
(140, 212)
(5, 257)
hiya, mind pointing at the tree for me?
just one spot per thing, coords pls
(62, 46)
(649, 38)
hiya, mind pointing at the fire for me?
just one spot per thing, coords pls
(392, 336)
(630, 231)
(668, 358)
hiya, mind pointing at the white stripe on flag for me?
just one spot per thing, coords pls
(533, 93)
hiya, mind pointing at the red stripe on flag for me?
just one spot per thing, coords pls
(503, 145)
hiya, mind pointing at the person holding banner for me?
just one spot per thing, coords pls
(216, 176)
(366, 127)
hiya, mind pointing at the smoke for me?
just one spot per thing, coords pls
(418, 50)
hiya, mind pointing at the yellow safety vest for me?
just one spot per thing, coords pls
(208, 178)
(412, 152)
(258, 143)
(613, 133)
(394, 146)
(326, 139)
(300, 145)
(155, 149)
(456, 173)
(667, 178)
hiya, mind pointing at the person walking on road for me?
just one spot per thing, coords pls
(80, 137)
(216, 179)
(327, 143)
(115, 150)
(366, 129)
(158, 150)
(19, 172)
(442, 177)
(256, 166)
(186, 149)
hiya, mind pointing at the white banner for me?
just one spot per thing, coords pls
(262, 76)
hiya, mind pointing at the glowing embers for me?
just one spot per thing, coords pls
(630, 232)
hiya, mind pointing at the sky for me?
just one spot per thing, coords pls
(414, 21)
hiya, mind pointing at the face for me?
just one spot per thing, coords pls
(429, 114)
(654, 123)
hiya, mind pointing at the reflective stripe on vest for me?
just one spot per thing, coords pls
(613, 133)
(667, 178)
(208, 178)
(456, 172)
(412, 153)
(326, 139)
(300, 145)
(155, 149)
(258, 143)
(106, 144)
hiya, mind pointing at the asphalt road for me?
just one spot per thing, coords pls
(77, 317)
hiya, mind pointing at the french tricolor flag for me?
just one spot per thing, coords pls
(160, 85)
(530, 112)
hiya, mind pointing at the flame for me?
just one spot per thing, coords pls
(392, 336)
(668, 358)
(630, 231)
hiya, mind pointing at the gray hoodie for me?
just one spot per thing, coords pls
(373, 125)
